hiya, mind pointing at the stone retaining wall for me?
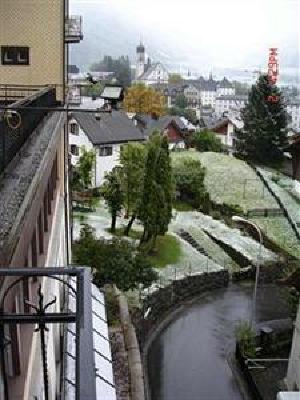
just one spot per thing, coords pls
(267, 273)
(157, 305)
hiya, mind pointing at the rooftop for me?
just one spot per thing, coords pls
(114, 127)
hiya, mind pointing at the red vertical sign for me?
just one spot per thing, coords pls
(273, 71)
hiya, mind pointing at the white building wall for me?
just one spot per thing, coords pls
(294, 111)
(208, 98)
(56, 257)
(104, 164)
(293, 375)
(225, 91)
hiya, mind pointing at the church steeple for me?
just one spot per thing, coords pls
(140, 60)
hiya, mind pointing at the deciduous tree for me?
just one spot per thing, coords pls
(132, 160)
(144, 100)
(113, 194)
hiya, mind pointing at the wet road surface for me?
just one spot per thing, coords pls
(188, 360)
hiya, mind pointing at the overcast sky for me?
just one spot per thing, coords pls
(231, 33)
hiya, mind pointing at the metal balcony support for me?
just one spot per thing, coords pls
(85, 383)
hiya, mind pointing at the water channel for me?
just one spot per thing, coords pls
(188, 360)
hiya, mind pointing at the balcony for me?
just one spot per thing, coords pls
(16, 126)
(73, 29)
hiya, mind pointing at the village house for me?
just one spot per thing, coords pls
(173, 126)
(105, 136)
(293, 109)
(225, 129)
(225, 103)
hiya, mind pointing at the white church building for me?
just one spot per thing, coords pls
(147, 72)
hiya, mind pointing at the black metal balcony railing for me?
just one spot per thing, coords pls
(16, 127)
(73, 29)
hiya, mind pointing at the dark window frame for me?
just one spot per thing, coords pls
(105, 151)
(15, 55)
(74, 131)
(74, 149)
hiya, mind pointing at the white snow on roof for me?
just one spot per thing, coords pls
(102, 353)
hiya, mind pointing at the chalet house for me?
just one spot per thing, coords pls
(173, 126)
(105, 136)
(224, 129)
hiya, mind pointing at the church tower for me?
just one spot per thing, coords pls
(140, 60)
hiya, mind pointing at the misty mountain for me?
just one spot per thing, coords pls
(113, 31)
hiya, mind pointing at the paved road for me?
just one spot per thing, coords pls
(188, 360)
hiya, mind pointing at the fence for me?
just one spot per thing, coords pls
(16, 127)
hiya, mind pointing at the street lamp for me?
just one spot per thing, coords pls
(236, 218)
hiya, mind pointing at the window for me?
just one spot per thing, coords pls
(74, 128)
(15, 55)
(74, 150)
(105, 151)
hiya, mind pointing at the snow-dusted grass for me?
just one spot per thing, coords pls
(282, 189)
(245, 245)
(230, 180)
(213, 250)
(225, 180)
(280, 232)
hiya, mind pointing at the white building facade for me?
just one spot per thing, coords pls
(293, 109)
(226, 103)
(104, 137)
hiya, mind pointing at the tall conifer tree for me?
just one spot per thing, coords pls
(265, 124)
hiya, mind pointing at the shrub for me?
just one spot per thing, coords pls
(207, 141)
(246, 338)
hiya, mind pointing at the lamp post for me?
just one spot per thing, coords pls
(250, 223)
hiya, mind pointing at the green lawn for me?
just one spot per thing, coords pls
(167, 248)
(182, 206)
(167, 251)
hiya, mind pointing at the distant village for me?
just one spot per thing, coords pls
(214, 105)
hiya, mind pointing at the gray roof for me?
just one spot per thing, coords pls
(224, 83)
(114, 127)
(161, 123)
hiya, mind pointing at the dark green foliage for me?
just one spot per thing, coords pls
(207, 141)
(132, 159)
(155, 210)
(181, 101)
(264, 135)
(189, 178)
(116, 261)
(120, 66)
(113, 194)
(82, 173)
(92, 90)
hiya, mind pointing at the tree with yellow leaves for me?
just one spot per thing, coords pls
(142, 99)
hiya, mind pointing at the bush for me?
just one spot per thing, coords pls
(246, 338)
(207, 141)
(115, 261)
(189, 179)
